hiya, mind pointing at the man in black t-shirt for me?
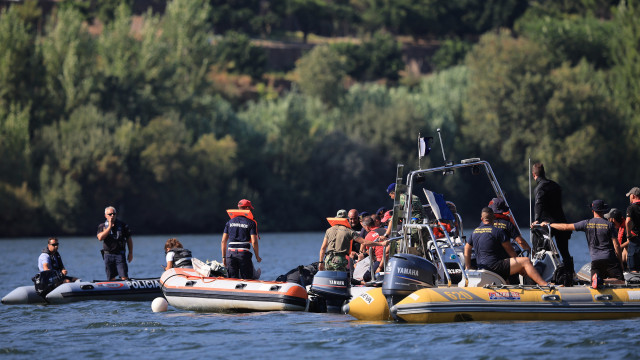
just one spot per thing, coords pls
(632, 225)
(602, 238)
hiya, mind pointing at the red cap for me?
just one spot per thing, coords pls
(387, 216)
(245, 203)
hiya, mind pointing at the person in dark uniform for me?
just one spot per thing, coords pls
(548, 208)
(239, 236)
(114, 234)
(495, 253)
(503, 221)
(602, 238)
(632, 226)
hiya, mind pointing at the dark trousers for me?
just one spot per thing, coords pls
(116, 264)
(239, 264)
(562, 241)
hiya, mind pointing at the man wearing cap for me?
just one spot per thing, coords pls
(503, 221)
(616, 217)
(336, 245)
(632, 226)
(602, 238)
(239, 236)
(495, 253)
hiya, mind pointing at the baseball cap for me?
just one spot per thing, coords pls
(599, 206)
(342, 213)
(363, 214)
(391, 187)
(245, 203)
(382, 210)
(613, 214)
(387, 216)
(634, 191)
(498, 205)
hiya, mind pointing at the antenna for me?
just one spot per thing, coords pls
(442, 147)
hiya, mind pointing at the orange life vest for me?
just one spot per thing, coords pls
(242, 212)
(239, 212)
(339, 221)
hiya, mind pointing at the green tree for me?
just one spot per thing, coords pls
(68, 55)
(17, 59)
(235, 54)
(571, 39)
(85, 166)
(321, 74)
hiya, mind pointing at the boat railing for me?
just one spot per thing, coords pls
(438, 250)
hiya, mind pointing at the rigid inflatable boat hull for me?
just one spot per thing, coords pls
(188, 290)
(438, 305)
(23, 295)
(121, 290)
(117, 290)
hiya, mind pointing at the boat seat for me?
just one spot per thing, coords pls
(479, 278)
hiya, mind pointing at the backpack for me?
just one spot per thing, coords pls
(46, 281)
(302, 275)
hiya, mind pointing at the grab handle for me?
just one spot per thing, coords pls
(550, 297)
(604, 297)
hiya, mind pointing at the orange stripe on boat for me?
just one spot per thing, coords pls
(339, 221)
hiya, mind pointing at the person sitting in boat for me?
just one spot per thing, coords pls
(336, 244)
(374, 233)
(495, 253)
(503, 221)
(602, 239)
(239, 236)
(616, 217)
(177, 256)
(50, 259)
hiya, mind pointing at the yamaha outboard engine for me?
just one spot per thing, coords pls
(405, 274)
(329, 291)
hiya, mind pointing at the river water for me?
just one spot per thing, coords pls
(102, 329)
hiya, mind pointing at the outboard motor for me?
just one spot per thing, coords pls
(405, 274)
(329, 291)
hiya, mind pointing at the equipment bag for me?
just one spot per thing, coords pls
(46, 281)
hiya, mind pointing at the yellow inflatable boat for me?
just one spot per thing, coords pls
(496, 303)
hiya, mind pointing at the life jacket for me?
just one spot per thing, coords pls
(55, 259)
(181, 258)
(339, 221)
(243, 212)
(437, 230)
(504, 216)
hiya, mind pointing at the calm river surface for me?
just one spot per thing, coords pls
(101, 329)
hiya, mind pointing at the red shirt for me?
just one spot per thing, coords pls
(374, 236)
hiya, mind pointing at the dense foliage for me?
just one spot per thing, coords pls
(152, 118)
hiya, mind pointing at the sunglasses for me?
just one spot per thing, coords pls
(111, 214)
(54, 244)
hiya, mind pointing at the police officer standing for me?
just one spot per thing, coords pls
(239, 236)
(114, 234)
